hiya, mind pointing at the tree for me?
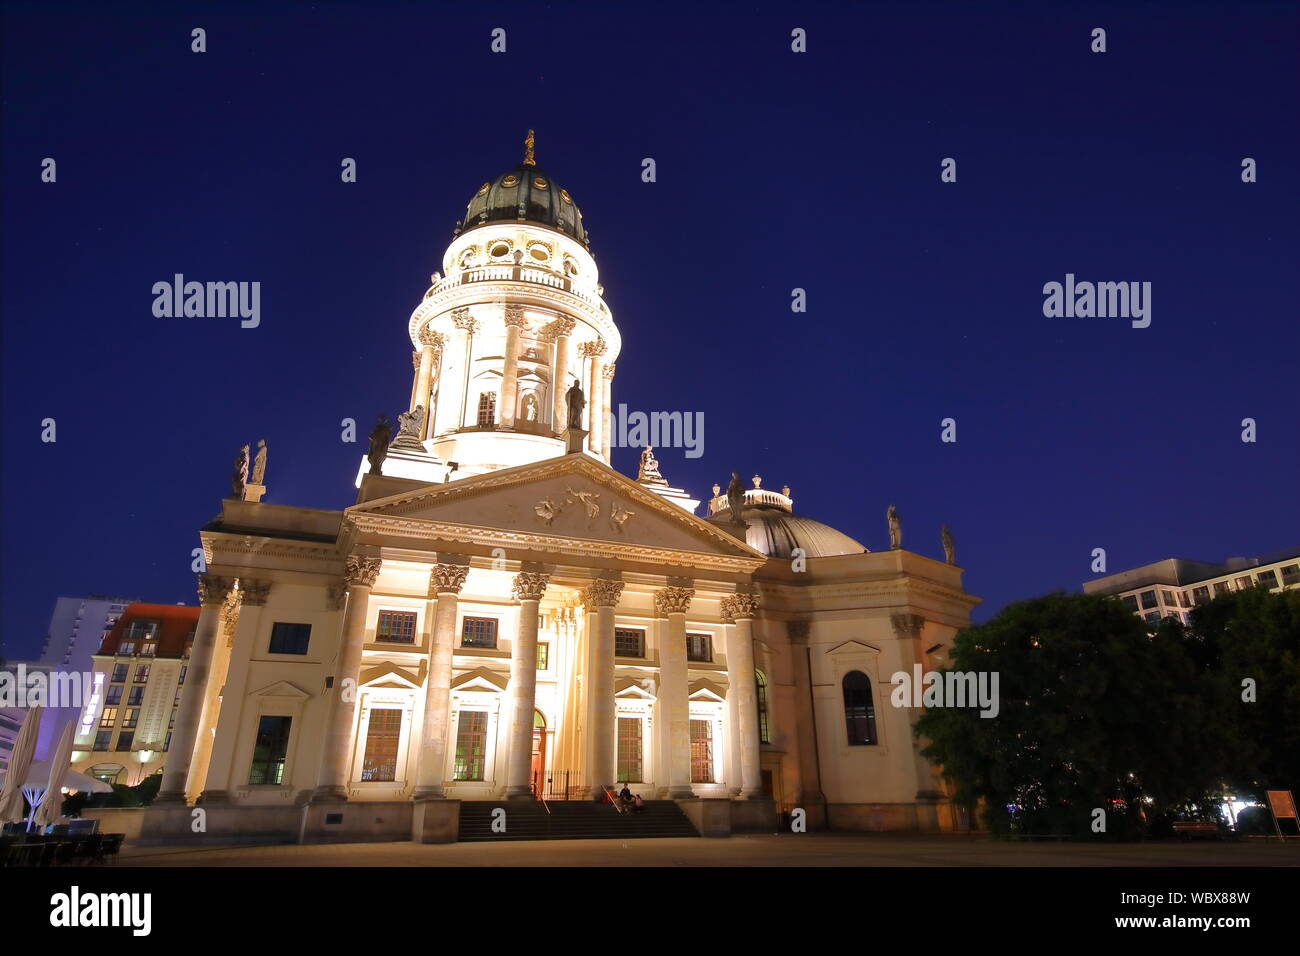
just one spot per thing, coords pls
(1096, 714)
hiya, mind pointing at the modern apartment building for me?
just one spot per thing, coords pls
(125, 727)
(1172, 587)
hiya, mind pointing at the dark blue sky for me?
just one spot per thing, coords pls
(775, 171)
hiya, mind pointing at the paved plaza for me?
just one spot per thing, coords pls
(744, 850)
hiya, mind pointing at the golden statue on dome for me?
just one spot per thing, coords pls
(528, 150)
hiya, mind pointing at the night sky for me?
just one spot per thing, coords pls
(775, 170)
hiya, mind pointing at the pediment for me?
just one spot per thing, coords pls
(481, 679)
(390, 675)
(705, 690)
(853, 647)
(628, 687)
(572, 503)
(281, 688)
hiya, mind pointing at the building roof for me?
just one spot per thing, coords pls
(177, 621)
(777, 532)
(524, 193)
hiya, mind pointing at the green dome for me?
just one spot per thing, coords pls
(525, 193)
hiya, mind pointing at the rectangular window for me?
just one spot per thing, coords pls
(269, 751)
(141, 630)
(148, 649)
(171, 722)
(102, 738)
(543, 655)
(629, 750)
(487, 409)
(114, 694)
(396, 627)
(1291, 574)
(1130, 601)
(109, 717)
(1268, 579)
(289, 638)
(629, 642)
(1148, 599)
(1200, 595)
(1153, 618)
(132, 717)
(125, 739)
(479, 632)
(382, 738)
(1245, 583)
(142, 674)
(1170, 600)
(701, 751)
(699, 647)
(136, 697)
(1220, 587)
(126, 648)
(181, 679)
(119, 673)
(471, 745)
(167, 741)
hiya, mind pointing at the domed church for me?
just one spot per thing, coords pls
(501, 620)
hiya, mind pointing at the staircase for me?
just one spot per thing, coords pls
(572, 820)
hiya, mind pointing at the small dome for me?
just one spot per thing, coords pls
(776, 532)
(525, 193)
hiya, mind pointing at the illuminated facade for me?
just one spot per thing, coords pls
(501, 614)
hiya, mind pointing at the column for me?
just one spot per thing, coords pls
(508, 397)
(445, 582)
(738, 610)
(332, 783)
(430, 345)
(561, 329)
(593, 351)
(213, 592)
(810, 795)
(451, 396)
(672, 603)
(602, 596)
(529, 588)
(607, 426)
(907, 630)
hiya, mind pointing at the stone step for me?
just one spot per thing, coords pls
(572, 820)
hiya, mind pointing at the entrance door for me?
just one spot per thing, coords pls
(539, 751)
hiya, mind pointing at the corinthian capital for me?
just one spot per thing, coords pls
(530, 585)
(515, 316)
(462, 320)
(214, 590)
(608, 372)
(430, 338)
(592, 349)
(602, 593)
(739, 607)
(673, 600)
(559, 327)
(254, 593)
(447, 579)
(361, 571)
(906, 625)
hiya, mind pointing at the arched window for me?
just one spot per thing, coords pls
(859, 713)
(764, 733)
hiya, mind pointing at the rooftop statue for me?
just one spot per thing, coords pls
(648, 473)
(895, 529)
(949, 550)
(379, 438)
(736, 498)
(240, 476)
(259, 463)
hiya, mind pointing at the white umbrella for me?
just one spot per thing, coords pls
(20, 761)
(52, 801)
(38, 774)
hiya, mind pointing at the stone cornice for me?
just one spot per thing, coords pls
(424, 529)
